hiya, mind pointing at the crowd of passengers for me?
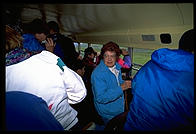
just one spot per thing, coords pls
(49, 86)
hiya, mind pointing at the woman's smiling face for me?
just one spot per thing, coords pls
(109, 58)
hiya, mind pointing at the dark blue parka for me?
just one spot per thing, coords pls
(27, 112)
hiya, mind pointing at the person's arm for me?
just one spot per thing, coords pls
(102, 93)
(122, 63)
(74, 84)
(127, 60)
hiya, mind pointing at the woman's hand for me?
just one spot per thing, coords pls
(126, 85)
(50, 45)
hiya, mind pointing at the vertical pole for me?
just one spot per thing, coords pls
(79, 47)
(130, 51)
(126, 102)
(127, 97)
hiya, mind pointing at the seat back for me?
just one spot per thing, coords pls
(117, 123)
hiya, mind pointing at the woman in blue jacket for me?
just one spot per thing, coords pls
(163, 90)
(107, 83)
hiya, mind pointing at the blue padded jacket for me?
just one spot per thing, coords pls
(27, 112)
(163, 93)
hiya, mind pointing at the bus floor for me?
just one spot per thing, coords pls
(93, 126)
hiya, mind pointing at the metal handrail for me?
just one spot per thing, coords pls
(134, 64)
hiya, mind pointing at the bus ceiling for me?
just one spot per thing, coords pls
(146, 25)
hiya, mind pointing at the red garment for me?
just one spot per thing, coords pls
(122, 63)
(89, 62)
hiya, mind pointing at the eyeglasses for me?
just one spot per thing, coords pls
(109, 56)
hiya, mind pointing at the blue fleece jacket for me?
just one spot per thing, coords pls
(108, 95)
(31, 43)
(163, 93)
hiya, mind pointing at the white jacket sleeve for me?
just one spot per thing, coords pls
(75, 88)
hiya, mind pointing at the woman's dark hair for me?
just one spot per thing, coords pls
(37, 26)
(110, 46)
(53, 25)
(89, 51)
(78, 64)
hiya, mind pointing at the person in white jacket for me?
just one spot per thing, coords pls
(46, 76)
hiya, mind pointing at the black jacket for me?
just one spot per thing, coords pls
(68, 48)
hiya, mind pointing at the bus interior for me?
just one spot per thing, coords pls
(140, 28)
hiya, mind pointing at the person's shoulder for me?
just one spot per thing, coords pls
(100, 69)
(97, 69)
(64, 39)
(63, 36)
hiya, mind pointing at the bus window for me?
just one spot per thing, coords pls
(76, 46)
(97, 47)
(140, 57)
(83, 46)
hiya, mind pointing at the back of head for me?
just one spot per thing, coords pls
(78, 64)
(186, 42)
(38, 26)
(89, 51)
(53, 25)
(13, 39)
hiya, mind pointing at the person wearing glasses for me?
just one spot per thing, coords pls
(107, 83)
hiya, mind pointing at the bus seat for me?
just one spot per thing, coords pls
(117, 123)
